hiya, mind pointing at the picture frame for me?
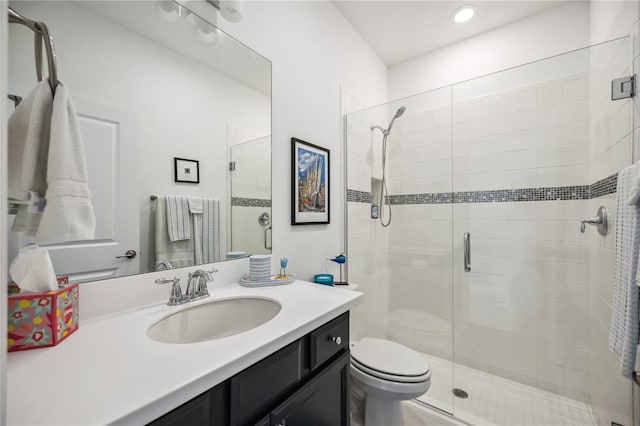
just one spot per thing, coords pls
(310, 183)
(186, 170)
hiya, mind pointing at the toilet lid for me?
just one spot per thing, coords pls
(389, 377)
(389, 358)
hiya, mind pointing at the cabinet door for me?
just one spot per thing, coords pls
(193, 413)
(324, 401)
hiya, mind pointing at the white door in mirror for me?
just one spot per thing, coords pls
(111, 152)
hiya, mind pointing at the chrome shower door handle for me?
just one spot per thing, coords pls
(467, 251)
(266, 238)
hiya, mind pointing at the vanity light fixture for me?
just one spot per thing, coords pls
(170, 11)
(231, 10)
(463, 14)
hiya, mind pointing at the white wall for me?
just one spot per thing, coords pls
(314, 52)
(549, 33)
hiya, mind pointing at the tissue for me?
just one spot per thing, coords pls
(32, 270)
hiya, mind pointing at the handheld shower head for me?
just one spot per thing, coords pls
(398, 114)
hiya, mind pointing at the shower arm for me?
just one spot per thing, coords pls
(384, 131)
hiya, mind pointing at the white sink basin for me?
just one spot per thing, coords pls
(214, 320)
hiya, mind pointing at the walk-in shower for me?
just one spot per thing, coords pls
(384, 193)
(515, 159)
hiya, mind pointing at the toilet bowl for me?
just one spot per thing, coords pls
(385, 373)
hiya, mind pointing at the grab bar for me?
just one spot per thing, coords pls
(467, 251)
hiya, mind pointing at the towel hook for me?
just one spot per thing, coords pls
(600, 221)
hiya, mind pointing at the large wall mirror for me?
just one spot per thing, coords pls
(161, 95)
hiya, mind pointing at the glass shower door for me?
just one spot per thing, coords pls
(535, 149)
(250, 198)
(405, 269)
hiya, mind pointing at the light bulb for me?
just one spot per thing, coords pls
(464, 14)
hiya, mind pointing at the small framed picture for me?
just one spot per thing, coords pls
(186, 171)
(310, 183)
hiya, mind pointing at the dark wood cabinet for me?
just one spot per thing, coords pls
(196, 412)
(304, 383)
(323, 401)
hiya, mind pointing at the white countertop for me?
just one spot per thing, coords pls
(110, 372)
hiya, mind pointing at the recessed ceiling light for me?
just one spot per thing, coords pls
(463, 14)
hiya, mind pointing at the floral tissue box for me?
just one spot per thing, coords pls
(38, 320)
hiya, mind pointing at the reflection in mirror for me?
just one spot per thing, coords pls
(152, 82)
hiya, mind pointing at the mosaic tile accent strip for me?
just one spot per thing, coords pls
(358, 196)
(605, 186)
(433, 198)
(250, 202)
(582, 192)
(528, 194)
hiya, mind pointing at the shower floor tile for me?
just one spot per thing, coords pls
(494, 400)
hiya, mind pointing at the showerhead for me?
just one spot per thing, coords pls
(399, 113)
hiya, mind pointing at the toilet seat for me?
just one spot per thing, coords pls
(389, 361)
(390, 377)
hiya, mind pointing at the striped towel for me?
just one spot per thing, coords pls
(206, 229)
(623, 334)
(178, 224)
(178, 253)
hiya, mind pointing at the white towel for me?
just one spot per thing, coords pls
(634, 191)
(178, 224)
(195, 205)
(68, 215)
(28, 136)
(28, 132)
(214, 234)
(206, 230)
(179, 253)
(623, 334)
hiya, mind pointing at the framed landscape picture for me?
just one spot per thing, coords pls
(310, 183)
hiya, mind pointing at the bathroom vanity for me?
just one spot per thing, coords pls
(292, 367)
(305, 382)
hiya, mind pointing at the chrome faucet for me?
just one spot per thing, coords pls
(196, 287)
(197, 284)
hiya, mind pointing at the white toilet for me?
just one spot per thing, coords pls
(385, 373)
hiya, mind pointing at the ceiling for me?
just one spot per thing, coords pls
(399, 30)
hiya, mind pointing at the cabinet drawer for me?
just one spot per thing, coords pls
(329, 339)
(255, 389)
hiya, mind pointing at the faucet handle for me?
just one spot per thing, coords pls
(208, 275)
(176, 297)
(205, 277)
